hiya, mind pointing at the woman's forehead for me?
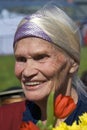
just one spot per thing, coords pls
(34, 43)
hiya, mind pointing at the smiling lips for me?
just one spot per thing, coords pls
(32, 83)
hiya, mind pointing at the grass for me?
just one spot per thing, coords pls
(7, 76)
(83, 63)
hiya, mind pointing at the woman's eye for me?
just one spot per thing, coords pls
(40, 57)
(20, 59)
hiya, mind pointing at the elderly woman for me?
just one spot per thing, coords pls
(47, 52)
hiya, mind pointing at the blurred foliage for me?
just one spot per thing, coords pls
(83, 58)
(22, 10)
(7, 76)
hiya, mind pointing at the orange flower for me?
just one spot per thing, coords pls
(64, 105)
(28, 126)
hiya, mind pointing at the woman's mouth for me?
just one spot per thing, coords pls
(33, 85)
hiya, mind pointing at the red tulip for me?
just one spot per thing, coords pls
(64, 106)
(28, 126)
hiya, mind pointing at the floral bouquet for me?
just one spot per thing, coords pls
(66, 105)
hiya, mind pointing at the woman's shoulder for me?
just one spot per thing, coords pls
(80, 109)
(82, 104)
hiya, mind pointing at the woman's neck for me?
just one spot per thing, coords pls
(43, 107)
(71, 91)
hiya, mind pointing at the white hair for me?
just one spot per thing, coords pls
(80, 87)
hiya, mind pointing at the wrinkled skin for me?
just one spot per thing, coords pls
(41, 68)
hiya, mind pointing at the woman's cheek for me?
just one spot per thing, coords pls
(54, 67)
(18, 70)
(49, 69)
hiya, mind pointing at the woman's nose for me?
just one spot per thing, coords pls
(30, 69)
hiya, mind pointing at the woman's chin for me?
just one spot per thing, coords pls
(36, 97)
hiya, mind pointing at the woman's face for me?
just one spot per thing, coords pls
(40, 67)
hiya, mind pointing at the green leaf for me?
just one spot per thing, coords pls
(50, 110)
(50, 127)
(40, 125)
(50, 114)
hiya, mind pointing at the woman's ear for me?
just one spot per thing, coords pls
(74, 67)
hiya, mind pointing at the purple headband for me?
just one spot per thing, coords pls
(30, 29)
